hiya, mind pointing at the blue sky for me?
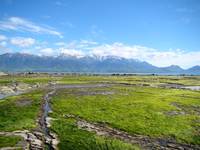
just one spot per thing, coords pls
(161, 32)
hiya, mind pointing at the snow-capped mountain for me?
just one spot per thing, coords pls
(94, 64)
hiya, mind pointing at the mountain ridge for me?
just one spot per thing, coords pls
(20, 62)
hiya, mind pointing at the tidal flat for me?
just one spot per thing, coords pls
(103, 112)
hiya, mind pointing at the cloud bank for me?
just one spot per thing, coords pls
(22, 42)
(23, 25)
(160, 58)
(156, 57)
(3, 38)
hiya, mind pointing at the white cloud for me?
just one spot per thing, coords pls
(72, 52)
(69, 45)
(88, 42)
(47, 51)
(25, 51)
(72, 45)
(160, 58)
(22, 42)
(38, 47)
(20, 24)
(3, 43)
(78, 45)
(156, 57)
(4, 49)
(3, 38)
(60, 44)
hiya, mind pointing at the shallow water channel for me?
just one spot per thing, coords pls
(2, 96)
(195, 88)
(46, 110)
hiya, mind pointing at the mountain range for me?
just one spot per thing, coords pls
(20, 62)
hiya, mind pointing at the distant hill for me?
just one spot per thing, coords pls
(93, 64)
(173, 69)
(194, 70)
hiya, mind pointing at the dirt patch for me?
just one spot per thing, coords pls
(174, 113)
(145, 142)
(31, 141)
(171, 85)
(175, 104)
(23, 102)
(188, 109)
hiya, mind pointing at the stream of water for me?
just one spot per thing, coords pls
(195, 88)
(2, 96)
(46, 110)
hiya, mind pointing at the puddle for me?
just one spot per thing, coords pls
(180, 86)
(174, 113)
(171, 85)
(195, 88)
